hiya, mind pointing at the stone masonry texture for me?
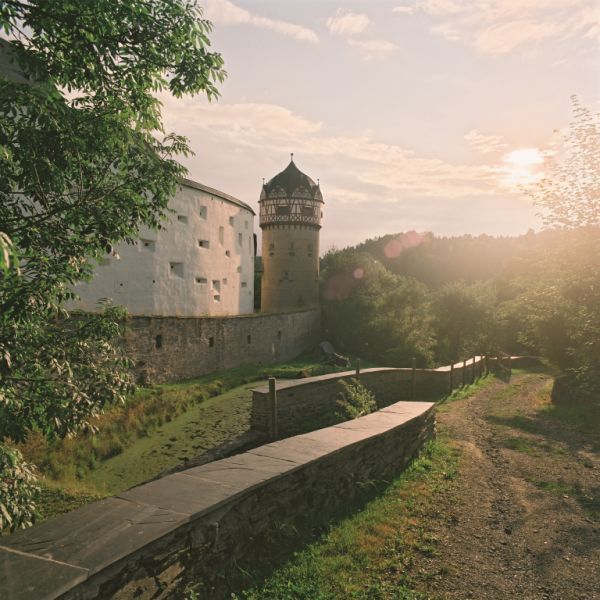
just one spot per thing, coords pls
(153, 540)
(172, 348)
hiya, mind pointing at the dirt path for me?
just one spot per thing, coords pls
(522, 518)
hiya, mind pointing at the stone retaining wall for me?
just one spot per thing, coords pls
(151, 541)
(176, 348)
(302, 401)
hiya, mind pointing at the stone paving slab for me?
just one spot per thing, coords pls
(43, 579)
(411, 409)
(181, 494)
(294, 449)
(96, 535)
(241, 472)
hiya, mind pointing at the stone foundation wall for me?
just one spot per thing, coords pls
(197, 525)
(173, 348)
(303, 401)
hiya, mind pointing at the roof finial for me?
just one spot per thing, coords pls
(292, 156)
(318, 182)
(263, 181)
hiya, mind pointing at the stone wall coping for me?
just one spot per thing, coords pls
(203, 317)
(290, 383)
(49, 559)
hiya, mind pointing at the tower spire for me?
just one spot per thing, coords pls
(292, 156)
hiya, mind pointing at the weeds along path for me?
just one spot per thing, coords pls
(521, 520)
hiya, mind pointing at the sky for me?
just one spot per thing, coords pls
(426, 115)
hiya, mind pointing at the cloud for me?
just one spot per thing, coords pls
(373, 49)
(484, 143)
(496, 28)
(360, 163)
(350, 26)
(346, 23)
(223, 12)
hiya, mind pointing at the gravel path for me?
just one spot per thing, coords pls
(522, 518)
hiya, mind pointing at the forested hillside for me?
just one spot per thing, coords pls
(441, 299)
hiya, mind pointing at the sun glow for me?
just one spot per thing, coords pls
(522, 166)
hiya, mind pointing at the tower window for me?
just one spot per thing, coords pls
(203, 244)
(249, 338)
(182, 219)
(221, 234)
(308, 211)
(231, 220)
(202, 211)
(245, 224)
(244, 284)
(282, 209)
(216, 283)
(310, 250)
(158, 341)
(224, 280)
(227, 253)
(240, 239)
(211, 341)
(148, 245)
(201, 280)
(176, 269)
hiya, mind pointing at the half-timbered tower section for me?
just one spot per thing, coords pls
(291, 210)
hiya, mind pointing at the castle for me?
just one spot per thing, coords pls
(202, 262)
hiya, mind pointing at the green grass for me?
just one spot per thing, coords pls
(372, 554)
(156, 429)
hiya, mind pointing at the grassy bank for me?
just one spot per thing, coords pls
(156, 429)
(375, 552)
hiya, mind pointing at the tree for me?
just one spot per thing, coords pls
(570, 195)
(373, 313)
(84, 162)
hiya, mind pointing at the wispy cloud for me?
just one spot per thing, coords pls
(358, 163)
(347, 23)
(496, 28)
(351, 26)
(223, 12)
(483, 143)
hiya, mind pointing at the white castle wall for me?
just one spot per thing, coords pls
(202, 263)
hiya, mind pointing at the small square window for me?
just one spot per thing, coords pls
(182, 219)
(202, 211)
(201, 280)
(217, 297)
(176, 269)
(148, 244)
(244, 284)
(216, 283)
(228, 253)
(203, 244)
(231, 220)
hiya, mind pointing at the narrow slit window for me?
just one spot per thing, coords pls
(231, 221)
(221, 234)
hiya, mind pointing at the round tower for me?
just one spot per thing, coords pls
(291, 209)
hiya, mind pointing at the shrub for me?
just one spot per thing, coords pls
(18, 490)
(355, 400)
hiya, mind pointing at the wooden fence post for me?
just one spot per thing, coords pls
(357, 368)
(473, 370)
(509, 366)
(452, 377)
(464, 373)
(273, 426)
(413, 379)
(486, 364)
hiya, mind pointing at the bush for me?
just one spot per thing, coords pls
(18, 490)
(355, 400)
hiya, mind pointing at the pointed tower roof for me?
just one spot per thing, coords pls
(292, 182)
